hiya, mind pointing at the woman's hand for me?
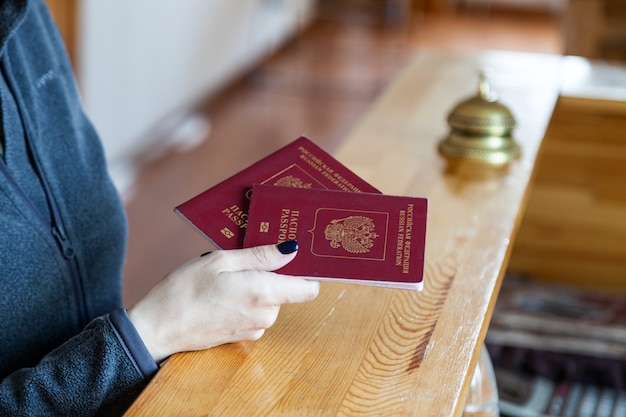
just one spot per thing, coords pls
(224, 297)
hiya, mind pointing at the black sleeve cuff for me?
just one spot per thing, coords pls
(132, 343)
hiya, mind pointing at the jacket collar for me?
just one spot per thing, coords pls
(11, 13)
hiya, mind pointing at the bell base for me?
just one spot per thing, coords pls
(476, 149)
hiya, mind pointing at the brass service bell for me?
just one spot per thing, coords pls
(481, 129)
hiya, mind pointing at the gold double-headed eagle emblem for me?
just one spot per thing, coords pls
(291, 181)
(354, 233)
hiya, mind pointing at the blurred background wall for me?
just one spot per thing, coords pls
(141, 65)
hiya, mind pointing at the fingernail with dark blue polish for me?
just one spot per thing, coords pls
(287, 247)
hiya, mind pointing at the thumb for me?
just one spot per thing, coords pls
(260, 258)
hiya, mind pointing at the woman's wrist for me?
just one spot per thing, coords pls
(148, 333)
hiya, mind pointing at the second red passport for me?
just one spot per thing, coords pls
(363, 238)
(221, 212)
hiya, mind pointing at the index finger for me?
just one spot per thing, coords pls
(258, 258)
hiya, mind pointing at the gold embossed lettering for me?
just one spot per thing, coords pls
(236, 215)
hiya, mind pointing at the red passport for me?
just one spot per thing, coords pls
(221, 212)
(362, 238)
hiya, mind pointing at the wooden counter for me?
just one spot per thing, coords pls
(364, 351)
(574, 227)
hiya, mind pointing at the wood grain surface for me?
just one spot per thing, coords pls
(365, 351)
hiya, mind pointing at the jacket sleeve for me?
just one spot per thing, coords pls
(99, 372)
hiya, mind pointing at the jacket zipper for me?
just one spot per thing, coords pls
(57, 233)
(65, 245)
(55, 227)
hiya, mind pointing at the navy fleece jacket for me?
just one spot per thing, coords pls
(67, 346)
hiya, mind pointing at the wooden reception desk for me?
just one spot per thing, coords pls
(360, 350)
